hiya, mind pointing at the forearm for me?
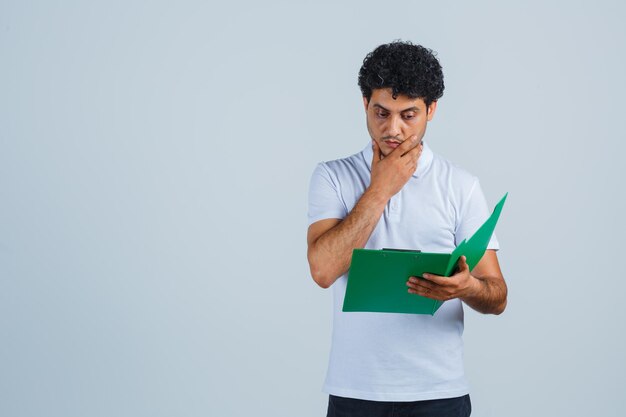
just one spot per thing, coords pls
(489, 295)
(330, 255)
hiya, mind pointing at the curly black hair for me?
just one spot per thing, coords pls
(407, 69)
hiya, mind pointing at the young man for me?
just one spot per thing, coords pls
(397, 193)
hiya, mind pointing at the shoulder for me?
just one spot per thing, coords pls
(459, 188)
(350, 163)
(343, 169)
(452, 175)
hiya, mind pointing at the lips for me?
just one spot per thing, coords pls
(392, 143)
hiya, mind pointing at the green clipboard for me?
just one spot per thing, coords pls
(377, 278)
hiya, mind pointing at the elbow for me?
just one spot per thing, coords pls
(501, 298)
(320, 272)
(500, 308)
(320, 277)
(323, 284)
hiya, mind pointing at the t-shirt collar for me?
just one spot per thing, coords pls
(422, 164)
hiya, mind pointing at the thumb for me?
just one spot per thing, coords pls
(375, 153)
(463, 263)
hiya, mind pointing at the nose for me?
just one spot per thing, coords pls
(394, 126)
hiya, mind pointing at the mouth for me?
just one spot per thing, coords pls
(392, 143)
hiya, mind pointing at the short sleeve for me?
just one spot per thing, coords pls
(324, 196)
(474, 212)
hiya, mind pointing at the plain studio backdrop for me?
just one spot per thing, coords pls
(154, 167)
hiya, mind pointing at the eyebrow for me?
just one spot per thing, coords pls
(416, 109)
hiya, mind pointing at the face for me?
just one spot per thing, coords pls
(391, 121)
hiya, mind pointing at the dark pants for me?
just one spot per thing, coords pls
(448, 407)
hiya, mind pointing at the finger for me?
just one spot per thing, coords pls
(414, 152)
(418, 283)
(420, 287)
(414, 155)
(406, 146)
(436, 279)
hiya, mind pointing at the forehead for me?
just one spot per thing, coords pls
(384, 97)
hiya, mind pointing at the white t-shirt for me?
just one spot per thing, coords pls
(389, 356)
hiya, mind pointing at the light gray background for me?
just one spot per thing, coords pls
(154, 165)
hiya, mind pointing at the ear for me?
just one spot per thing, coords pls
(365, 103)
(431, 110)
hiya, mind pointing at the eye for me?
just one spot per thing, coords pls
(382, 114)
(408, 116)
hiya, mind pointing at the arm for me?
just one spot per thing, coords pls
(484, 289)
(331, 241)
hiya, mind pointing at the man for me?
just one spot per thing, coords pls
(398, 193)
